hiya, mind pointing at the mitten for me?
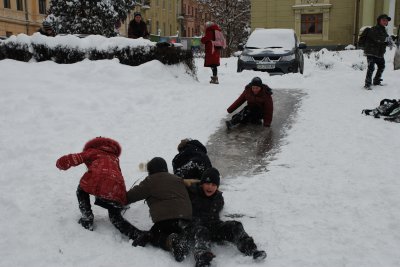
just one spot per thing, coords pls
(65, 162)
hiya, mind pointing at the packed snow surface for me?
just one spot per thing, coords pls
(330, 198)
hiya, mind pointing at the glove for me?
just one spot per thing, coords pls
(142, 238)
(64, 163)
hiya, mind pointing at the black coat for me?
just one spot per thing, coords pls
(375, 44)
(205, 209)
(191, 161)
(137, 30)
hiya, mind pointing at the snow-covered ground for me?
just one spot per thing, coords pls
(330, 198)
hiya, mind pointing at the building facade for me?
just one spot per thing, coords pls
(323, 22)
(21, 16)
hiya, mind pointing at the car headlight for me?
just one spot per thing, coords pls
(246, 58)
(288, 57)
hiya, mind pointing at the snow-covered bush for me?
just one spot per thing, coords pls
(70, 49)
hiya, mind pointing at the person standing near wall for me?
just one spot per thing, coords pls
(375, 47)
(137, 27)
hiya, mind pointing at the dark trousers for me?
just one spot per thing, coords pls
(380, 63)
(248, 115)
(161, 230)
(114, 213)
(214, 70)
(230, 231)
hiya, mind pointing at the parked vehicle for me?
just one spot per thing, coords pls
(272, 50)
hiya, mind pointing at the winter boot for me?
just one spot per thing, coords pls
(228, 125)
(247, 246)
(86, 222)
(367, 87)
(204, 258)
(378, 82)
(259, 255)
(214, 80)
(178, 247)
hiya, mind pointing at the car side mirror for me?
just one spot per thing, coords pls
(240, 47)
(302, 45)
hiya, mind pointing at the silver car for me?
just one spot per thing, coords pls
(272, 50)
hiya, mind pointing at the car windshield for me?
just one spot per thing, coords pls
(271, 38)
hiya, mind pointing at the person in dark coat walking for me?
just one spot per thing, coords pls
(212, 53)
(375, 48)
(47, 29)
(259, 105)
(104, 180)
(137, 27)
(192, 159)
(207, 203)
(169, 204)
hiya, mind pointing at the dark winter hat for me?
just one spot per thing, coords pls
(157, 164)
(383, 16)
(211, 175)
(182, 144)
(256, 81)
(137, 14)
(47, 26)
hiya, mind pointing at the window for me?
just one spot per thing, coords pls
(7, 4)
(20, 5)
(311, 23)
(42, 6)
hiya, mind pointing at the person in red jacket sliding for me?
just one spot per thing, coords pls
(259, 105)
(104, 180)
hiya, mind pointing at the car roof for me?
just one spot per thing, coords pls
(261, 38)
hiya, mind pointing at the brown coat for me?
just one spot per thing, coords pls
(166, 196)
(263, 101)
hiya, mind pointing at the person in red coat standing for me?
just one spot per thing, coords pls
(259, 105)
(212, 53)
(104, 180)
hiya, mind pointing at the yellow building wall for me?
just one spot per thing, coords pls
(14, 21)
(340, 23)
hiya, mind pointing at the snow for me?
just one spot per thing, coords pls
(330, 197)
(278, 38)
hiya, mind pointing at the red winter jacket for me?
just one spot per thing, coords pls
(103, 177)
(212, 57)
(262, 100)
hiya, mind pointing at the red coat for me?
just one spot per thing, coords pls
(262, 100)
(212, 57)
(103, 177)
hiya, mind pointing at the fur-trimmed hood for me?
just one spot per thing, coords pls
(105, 144)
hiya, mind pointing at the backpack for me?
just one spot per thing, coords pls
(387, 107)
(362, 40)
(220, 41)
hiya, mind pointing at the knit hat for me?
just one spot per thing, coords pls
(256, 81)
(137, 14)
(383, 16)
(157, 164)
(47, 26)
(183, 144)
(211, 175)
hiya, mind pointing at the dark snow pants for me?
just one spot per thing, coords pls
(248, 115)
(160, 231)
(231, 231)
(114, 213)
(380, 62)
